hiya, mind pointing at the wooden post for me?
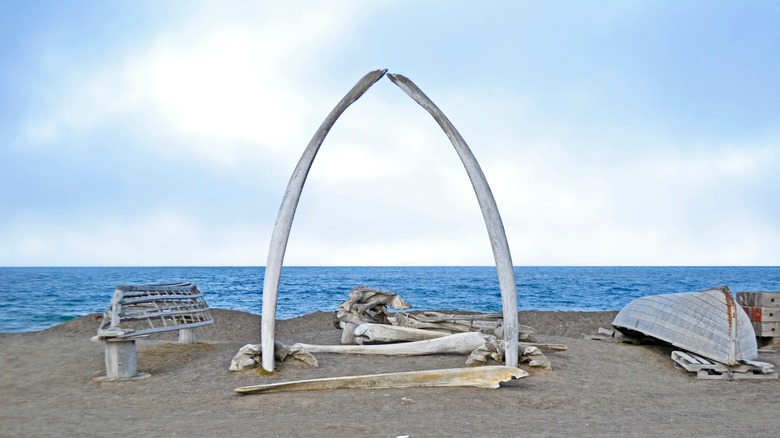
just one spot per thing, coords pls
(187, 336)
(120, 359)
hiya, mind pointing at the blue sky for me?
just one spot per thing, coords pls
(611, 132)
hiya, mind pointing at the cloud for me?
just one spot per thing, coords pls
(158, 238)
(232, 88)
(591, 161)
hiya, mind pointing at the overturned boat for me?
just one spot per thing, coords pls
(708, 323)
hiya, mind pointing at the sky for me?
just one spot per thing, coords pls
(619, 133)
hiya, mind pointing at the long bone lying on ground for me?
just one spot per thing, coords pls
(382, 333)
(479, 346)
(480, 377)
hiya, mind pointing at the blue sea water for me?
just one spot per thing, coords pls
(37, 298)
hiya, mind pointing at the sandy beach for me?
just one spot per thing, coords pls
(595, 389)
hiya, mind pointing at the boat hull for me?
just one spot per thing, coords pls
(708, 323)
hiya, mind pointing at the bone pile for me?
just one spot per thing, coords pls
(369, 328)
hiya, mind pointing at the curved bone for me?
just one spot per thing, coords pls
(480, 377)
(485, 198)
(281, 233)
(495, 227)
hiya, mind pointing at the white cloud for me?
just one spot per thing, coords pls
(162, 238)
(228, 88)
(240, 95)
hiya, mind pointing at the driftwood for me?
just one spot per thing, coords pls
(480, 377)
(487, 204)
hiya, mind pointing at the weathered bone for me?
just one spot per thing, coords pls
(528, 353)
(382, 333)
(461, 343)
(484, 347)
(535, 358)
(365, 305)
(284, 219)
(487, 203)
(480, 377)
(490, 349)
(249, 356)
(491, 323)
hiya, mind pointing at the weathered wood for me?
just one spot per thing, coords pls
(759, 299)
(138, 311)
(708, 323)
(187, 336)
(487, 204)
(767, 329)
(147, 309)
(480, 377)
(712, 370)
(121, 360)
(283, 225)
(763, 314)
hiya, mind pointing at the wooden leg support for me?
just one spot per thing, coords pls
(121, 361)
(187, 336)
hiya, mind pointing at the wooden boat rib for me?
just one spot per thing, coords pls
(708, 323)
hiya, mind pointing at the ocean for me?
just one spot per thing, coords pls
(34, 298)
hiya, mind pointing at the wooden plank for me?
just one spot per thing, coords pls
(763, 314)
(693, 362)
(685, 361)
(608, 332)
(759, 299)
(709, 370)
(767, 329)
(187, 336)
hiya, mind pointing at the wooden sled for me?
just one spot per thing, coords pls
(711, 370)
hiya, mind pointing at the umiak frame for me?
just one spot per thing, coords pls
(487, 204)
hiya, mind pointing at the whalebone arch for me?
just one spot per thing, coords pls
(487, 203)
